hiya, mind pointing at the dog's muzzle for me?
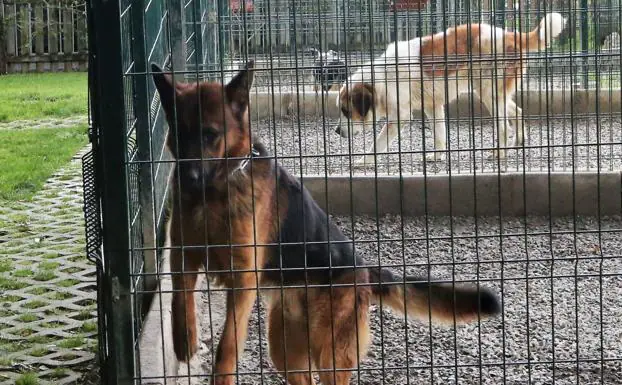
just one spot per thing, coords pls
(343, 132)
(194, 177)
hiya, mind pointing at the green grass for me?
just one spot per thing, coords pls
(48, 265)
(27, 317)
(35, 304)
(22, 273)
(72, 342)
(29, 157)
(89, 327)
(27, 379)
(6, 265)
(11, 284)
(44, 275)
(37, 96)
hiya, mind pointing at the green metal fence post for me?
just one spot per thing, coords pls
(585, 37)
(144, 142)
(177, 28)
(499, 16)
(108, 101)
(197, 29)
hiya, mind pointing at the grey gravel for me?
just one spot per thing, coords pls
(572, 143)
(556, 287)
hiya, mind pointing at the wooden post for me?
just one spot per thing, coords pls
(68, 31)
(23, 26)
(39, 37)
(82, 30)
(39, 30)
(53, 30)
(10, 26)
(3, 40)
(68, 37)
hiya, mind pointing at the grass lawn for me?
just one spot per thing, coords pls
(30, 157)
(36, 96)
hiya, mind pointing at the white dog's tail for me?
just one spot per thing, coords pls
(549, 28)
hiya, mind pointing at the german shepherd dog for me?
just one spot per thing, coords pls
(252, 226)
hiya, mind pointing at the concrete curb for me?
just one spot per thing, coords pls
(487, 194)
(533, 102)
(157, 358)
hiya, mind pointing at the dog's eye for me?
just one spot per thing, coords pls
(209, 134)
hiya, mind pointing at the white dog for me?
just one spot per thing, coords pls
(429, 72)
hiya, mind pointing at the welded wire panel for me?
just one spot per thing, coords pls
(248, 285)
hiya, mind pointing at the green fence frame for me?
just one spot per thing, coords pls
(129, 158)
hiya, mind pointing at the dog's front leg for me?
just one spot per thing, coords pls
(184, 270)
(515, 115)
(240, 301)
(384, 139)
(439, 129)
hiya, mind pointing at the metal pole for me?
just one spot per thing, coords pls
(110, 123)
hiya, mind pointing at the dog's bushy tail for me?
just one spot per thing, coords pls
(442, 301)
(550, 27)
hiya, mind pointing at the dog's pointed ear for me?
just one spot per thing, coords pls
(238, 89)
(167, 89)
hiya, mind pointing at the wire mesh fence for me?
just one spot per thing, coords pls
(438, 203)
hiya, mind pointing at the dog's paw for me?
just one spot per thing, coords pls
(498, 154)
(185, 344)
(222, 380)
(360, 165)
(366, 161)
(435, 157)
(185, 340)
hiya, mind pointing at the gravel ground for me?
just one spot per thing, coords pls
(561, 302)
(325, 152)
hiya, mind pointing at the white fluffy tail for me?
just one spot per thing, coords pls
(550, 27)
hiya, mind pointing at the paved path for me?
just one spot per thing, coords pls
(47, 286)
(44, 123)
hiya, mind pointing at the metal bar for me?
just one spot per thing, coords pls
(585, 41)
(109, 122)
(144, 140)
(177, 27)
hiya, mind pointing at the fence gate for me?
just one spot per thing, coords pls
(536, 221)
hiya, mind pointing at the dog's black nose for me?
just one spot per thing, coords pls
(192, 177)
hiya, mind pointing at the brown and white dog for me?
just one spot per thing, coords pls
(426, 73)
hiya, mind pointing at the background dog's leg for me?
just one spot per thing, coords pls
(439, 128)
(184, 271)
(384, 139)
(502, 128)
(288, 344)
(239, 307)
(515, 115)
(498, 113)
